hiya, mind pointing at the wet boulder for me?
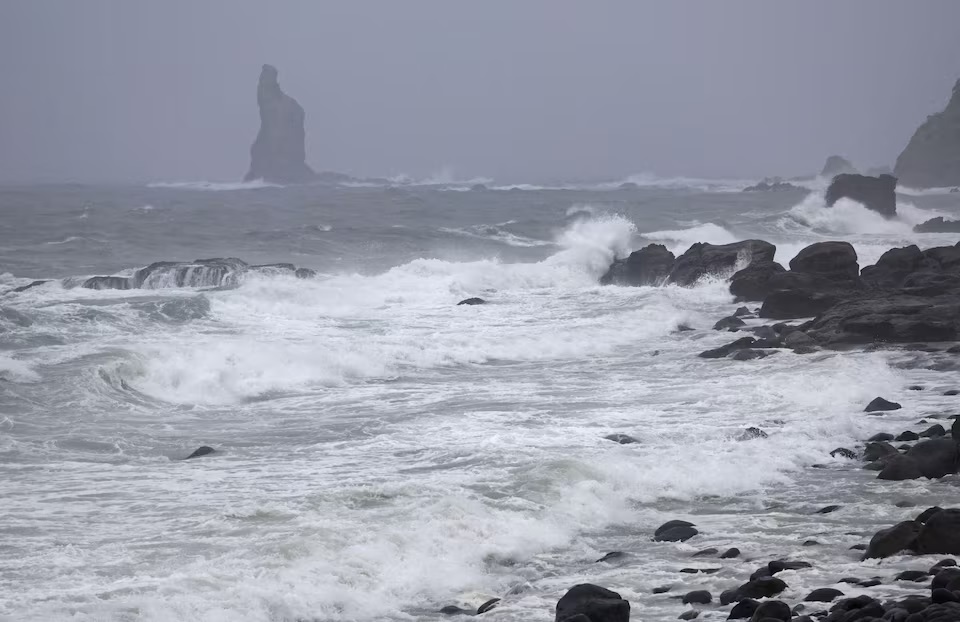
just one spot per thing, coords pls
(878, 194)
(935, 458)
(834, 261)
(753, 283)
(675, 531)
(899, 468)
(472, 302)
(703, 259)
(648, 266)
(888, 317)
(879, 404)
(941, 534)
(596, 603)
(893, 540)
(201, 451)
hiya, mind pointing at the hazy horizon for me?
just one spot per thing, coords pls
(111, 91)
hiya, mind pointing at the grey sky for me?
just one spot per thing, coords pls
(533, 89)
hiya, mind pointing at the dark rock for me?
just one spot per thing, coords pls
(699, 570)
(689, 615)
(648, 266)
(743, 610)
(472, 301)
(892, 317)
(880, 436)
(915, 387)
(900, 468)
(928, 514)
(810, 543)
(858, 547)
(772, 185)
(944, 577)
(908, 435)
(912, 575)
(622, 439)
(487, 606)
(940, 534)
(773, 610)
(934, 431)
(938, 225)
(879, 404)
(779, 565)
(936, 457)
(731, 553)
(835, 165)
(843, 452)
(675, 531)
(761, 587)
(798, 339)
(663, 589)
(753, 282)
(742, 311)
(729, 323)
(829, 509)
(453, 610)
(890, 541)
(201, 451)
(944, 563)
(596, 603)
(875, 193)
(952, 392)
(23, 288)
(279, 152)
(905, 504)
(941, 595)
(726, 350)
(870, 583)
(698, 597)
(876, 451)
(835, 261)
(609, 557)
(703, 259)
(705, 552)
(823, 595)
(751, 433)
(930, 158)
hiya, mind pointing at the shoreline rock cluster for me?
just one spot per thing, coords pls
(218, 272)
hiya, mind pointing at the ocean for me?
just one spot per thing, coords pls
(382, 452)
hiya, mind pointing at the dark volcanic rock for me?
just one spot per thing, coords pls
(623, 439)
(743, 610)
(279, 152)
(876, 451)
(609, 557)
(899, 468)
(703, 259)
(108, 282)
(472, 302)
(201, 451)
(726, 350)
(596, 603)
(772, 185)
(890, 541)
(936, 457)
(675, 533)
(875, 193)
(729, 323)
(731, 553)
(938, 225)
(941, 533)
(697, 597)
(772, 610)
(648, 266)
(843, 452)
(932, 157)
(836, 165)
(753, 282)
(761, 587)
(888, 317)
(880, 404)
(836, 261)
(823, 595)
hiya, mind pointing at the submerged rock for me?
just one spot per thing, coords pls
(472, 302)
(201, 451)
(279, 152)
(875, 193)
(932, 157)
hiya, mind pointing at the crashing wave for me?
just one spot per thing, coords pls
(219, 272)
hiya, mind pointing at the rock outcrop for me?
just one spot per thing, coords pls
(648, 266)
(219, 272)
(772, 185)
(938, 225)
(704, 259)
(875, 193)
(278, 154)
(820, 275)
(932, 157)
(837, 165)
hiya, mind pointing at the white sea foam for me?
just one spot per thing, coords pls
(14, 370)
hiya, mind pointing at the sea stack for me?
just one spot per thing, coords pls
(278, 154)
(837, 165)
(932, 157)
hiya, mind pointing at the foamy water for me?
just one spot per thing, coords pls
(383, 452)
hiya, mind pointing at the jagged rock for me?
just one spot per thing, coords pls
(487, 606)
(23, 288)
(875, 193)
(108, 282)
(938, 225)
(893, 267)
(703, 259)
(843, 452)
(772, 185)
(932, 157)
(595, 603)
(836, 165)
(279, 153)
(201, 451)
(753, 282)
(891, 317)
(648, 266)
(726, 350)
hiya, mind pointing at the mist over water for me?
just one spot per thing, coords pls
(382, 452)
